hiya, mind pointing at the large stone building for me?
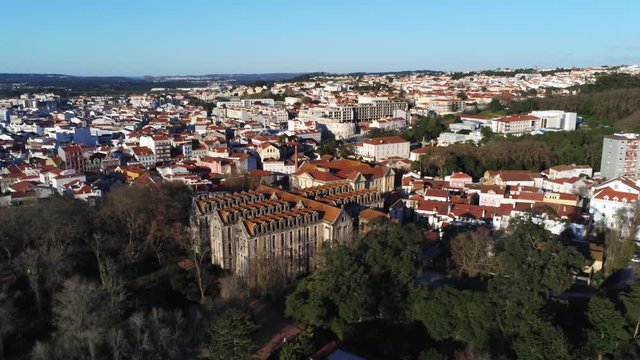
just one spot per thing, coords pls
(269, 232)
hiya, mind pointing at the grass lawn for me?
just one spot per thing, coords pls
(493, 114)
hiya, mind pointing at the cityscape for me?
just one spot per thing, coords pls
(235, 204)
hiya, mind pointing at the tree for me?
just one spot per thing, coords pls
(301, 347)
(346, 150)
(540, 340)
(200, 259)
(451, 313)
(44, 269)
(112, 284)
(11, 241)
(495, 105)
(472, 252)
(631, 303)
(533, 265)
(366, 280)
(63, 222)
(127, 211)
(162, 334)
(620, 241)
(487, 133)
(310, 303)
(607, 325)
(231, 333)
(8, 320)
(80, 318)
(170, 215)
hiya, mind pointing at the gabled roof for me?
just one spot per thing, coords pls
(608, 194)
(473, 211)
(385, 140)
(460, 175)
(22, 186)
(370, 214)
(624, 180)
(323, 176)
(330, 213)
(438, 207)
(437, 193)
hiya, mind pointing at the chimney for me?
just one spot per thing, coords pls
(295, 156)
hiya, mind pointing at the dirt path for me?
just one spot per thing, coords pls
(274, 328)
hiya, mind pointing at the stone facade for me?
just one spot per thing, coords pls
(267, 231)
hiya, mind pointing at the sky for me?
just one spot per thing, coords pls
(189, 37)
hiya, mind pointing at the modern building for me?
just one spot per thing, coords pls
(620, 156)
(557, 119)
(159, 144)
(367, 109)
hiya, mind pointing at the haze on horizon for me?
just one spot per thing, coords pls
(135, 38)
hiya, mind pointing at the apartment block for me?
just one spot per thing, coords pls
(620, 156)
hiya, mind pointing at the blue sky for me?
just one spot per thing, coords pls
(156, 37)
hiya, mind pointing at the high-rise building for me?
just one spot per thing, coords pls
(620, 156)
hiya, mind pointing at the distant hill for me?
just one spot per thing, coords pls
(57, 78)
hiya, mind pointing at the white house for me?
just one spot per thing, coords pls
(611, 197)
(279, 166)
(383, 148)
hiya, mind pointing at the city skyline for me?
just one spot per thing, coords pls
(196, 38)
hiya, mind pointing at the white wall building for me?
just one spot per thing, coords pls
(278, 166)
(159, 144)
(383, 148)
(612, 197)
(557, 119)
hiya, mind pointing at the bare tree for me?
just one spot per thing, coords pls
(619, 241)
(199, 256)
(41, 351)
(472, 252)
(45, 268)
(129, 210)
(117, 343)
(80, 317)
(112, 284)
(7, 320)
(165, 334)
